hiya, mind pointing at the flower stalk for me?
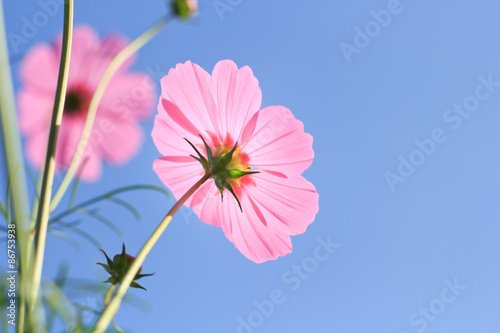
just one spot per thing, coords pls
(48, 174)
(112, 306)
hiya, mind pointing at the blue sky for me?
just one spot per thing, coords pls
(418, 253)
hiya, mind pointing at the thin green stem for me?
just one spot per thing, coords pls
(36, 201)
(117, 61)
(15, 165)
(48, 174)
(113, 305)
(104, 196)
(107, 297)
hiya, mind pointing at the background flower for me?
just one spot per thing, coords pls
(116, 136)
(225, 108)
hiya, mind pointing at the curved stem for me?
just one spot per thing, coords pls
(112, 307)
(117, 61)
(48, 174)
(107, 297)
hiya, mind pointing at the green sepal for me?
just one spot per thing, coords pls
(200, 158)
(220, 188)
(209, 152)
(228, 186)
(110, 262)
(136, 285)
(140, 276)
(121, 261)
(106, 267)
(111, 279)
(225, 159)
(235, 173)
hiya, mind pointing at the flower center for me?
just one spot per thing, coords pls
(239, 161)
(228, 167)
(77, 101)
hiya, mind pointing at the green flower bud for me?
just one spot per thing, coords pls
(185, 9)
(118, 267)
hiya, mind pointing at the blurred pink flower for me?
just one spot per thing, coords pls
(225, 108)
(116, 136)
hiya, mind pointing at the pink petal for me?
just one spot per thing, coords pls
(92, 170)
(118, 141)
(100, 58)
(285, 205)
(39, 69)
(35, 110)
(188, 88)
(168, 136)
(69, 136)
(278, 142)
(84, 54)
(236, 94)
(256, 241)
(178, 173)
(250, 236)
(205, 203)
(36, 148)
(129, 96)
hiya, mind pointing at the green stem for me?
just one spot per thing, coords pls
(107, 297)
(113, 305)
(106, 195)
(48, 174)
(117, 61)
(15, 166)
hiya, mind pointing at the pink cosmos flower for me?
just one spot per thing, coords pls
(116, 136)
(224, 108)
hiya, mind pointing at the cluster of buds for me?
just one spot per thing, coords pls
(119, 266)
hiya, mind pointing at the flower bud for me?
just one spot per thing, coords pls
(118, 267)
(185, 9)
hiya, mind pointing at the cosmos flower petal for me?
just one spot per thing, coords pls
(278, 142)
(44, 61)
(36, 147)
(237, 95)
(110, 46)
(245, 230)
(285, 205)
(29, 100)
(252, 238)
(69, 135)
(174, 143)
(206, 204)
(92, 170)
(118, 141)
(187, 86)
(125, 102)
(276, 202)
(179, 172)
(85, 55)
(129, 96)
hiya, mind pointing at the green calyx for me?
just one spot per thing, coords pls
(217, 168)
(119, 266)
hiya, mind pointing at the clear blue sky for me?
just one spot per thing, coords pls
(420, 255)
